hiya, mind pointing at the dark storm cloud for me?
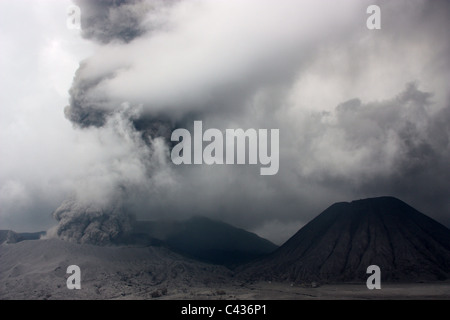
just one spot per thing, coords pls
(394, 147)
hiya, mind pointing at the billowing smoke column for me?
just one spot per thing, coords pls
(117, 22)
(336, 90)
(83, 219)
(113, 20)
(88, 223)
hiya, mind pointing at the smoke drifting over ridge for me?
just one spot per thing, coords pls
(360, 113)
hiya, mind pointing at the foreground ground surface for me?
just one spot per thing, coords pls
(283, 291)
(37, 270)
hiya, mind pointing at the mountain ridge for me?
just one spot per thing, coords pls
(341, 242)
(207, 240)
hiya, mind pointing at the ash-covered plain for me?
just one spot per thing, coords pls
(326, 259)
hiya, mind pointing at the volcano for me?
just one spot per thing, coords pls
(207, 240)
(340, 243)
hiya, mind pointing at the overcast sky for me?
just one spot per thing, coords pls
(361, 113)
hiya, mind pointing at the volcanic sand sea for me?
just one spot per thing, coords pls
(36, 269)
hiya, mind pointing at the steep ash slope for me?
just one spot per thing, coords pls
(340, 243)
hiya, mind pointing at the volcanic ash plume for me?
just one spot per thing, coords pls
(90, 223)
(127, 152)
(160, 65)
